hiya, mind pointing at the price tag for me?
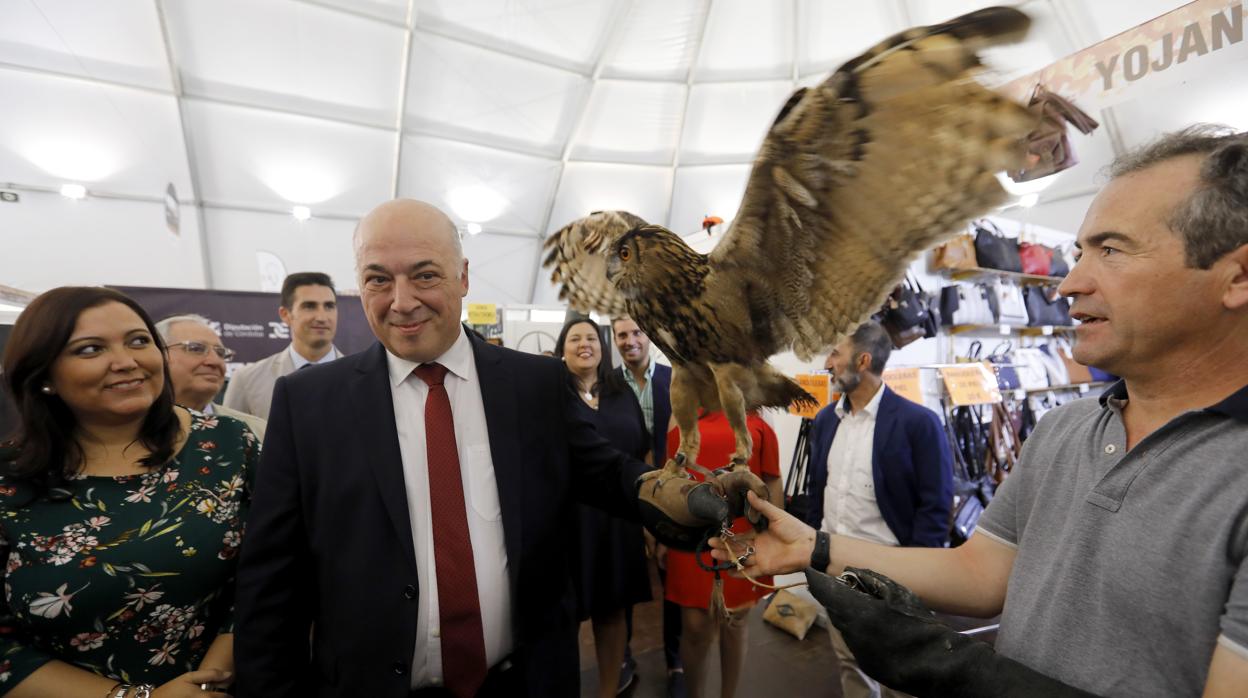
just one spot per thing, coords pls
(1006, 330)
(816, 385)
(904, 382)
(1083, 388)
(482, 313)
(1046, 330)
(971, 384)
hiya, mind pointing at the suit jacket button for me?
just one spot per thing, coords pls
(400, 668)
(409, 591)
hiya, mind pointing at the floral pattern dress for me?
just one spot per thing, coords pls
(130, 577)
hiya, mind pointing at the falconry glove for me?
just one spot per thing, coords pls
(899, 643)
(683, 513)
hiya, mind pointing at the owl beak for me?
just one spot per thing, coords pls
(613, 267)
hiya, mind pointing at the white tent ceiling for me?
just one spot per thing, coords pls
(518, 115)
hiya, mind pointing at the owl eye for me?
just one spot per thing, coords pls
(625, 253)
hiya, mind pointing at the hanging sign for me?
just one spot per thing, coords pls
(1184, 44)
(971, 384)
(173, 214)
(482, 313)
(817, 385)
(904, 382)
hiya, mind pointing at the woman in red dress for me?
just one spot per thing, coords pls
(689, 586)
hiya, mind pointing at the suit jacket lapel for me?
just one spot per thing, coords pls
(885, 420)
(502, 410)
(374, 415)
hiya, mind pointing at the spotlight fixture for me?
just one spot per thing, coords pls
(73, 191)
(474, 228)
(301, 213)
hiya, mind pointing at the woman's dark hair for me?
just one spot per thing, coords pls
(610, 382)
(47, 450)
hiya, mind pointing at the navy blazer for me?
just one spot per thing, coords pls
(329, 542)
(911, 465)
(662, 381)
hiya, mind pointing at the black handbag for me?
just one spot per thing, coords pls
(972, 489)
(993, 250)
(797, 496)
(1058, 266)
(907, 314)
(1045, 309)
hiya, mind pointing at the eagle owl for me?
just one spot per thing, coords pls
(858, 175)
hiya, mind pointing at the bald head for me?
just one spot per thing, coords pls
(407, 216)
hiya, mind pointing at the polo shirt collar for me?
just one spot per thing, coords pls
(1235, 406)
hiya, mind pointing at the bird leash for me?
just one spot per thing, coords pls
(717, 606)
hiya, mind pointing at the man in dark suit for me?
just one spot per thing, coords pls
(881, 468)
(651, 382)
(413, 502)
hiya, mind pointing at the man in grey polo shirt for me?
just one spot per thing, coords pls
(1117, 551)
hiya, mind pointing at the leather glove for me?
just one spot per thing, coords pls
(682, 512)
(899, 643)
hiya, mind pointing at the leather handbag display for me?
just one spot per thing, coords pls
(966, 304)
(994, 250)
(906, 314)
(1053, 365)
(1011, 306)
(797, 499)
(1002, 363)
(1037, 259)
(1029, 363)
(1060, 264)
(956, 254)
(1078, 372)
(1045, 307)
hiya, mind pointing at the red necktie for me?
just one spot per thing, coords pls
(463, 642)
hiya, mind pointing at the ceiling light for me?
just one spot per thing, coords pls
(10, 308)
(301, 213)
(474, 228)
(68, 157)
(553, 316)
(1028, 200)
(73, 191)
(301, 181)
(476, 203)
(1034, 186)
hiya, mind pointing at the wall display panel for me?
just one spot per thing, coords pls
(726, 122)
(747, 40)
(567, 32)
(252, 157)
(110, 138)
(289, 55)
(657, 40)
(116, 41)
(470, 93)
(311, 245)
(444, 173)
(50, 241)
(634, 122)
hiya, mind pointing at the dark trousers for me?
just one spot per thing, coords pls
(671, 630)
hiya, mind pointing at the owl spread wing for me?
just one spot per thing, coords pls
(577, 253)
(861, 173)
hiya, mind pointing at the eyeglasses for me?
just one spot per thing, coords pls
(201, 349)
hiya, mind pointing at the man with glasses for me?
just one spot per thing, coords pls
(197, 366)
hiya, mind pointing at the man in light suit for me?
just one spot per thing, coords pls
(414, 500)
(881, 469)
(309, 307)
(197, 366)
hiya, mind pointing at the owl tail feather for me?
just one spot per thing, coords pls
(782, 392)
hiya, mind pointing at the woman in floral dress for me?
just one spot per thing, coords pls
(120, 514)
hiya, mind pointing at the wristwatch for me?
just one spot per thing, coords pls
(821, 557)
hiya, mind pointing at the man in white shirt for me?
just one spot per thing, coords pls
(309, 307)
(197, 366)
(881, 468)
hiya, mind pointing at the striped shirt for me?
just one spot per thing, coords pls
(645, 396)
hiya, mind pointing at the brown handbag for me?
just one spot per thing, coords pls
(956, 254)
(1077, 371)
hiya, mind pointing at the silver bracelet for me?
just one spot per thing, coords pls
(118, 690)
(144, 690)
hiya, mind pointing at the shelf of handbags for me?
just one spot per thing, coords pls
(983, 274)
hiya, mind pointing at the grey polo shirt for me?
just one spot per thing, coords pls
(1130, 565)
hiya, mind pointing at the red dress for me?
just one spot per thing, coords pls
(687, 584)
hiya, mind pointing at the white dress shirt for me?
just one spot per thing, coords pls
(849, 504)
(485, 522)
(300, 361)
